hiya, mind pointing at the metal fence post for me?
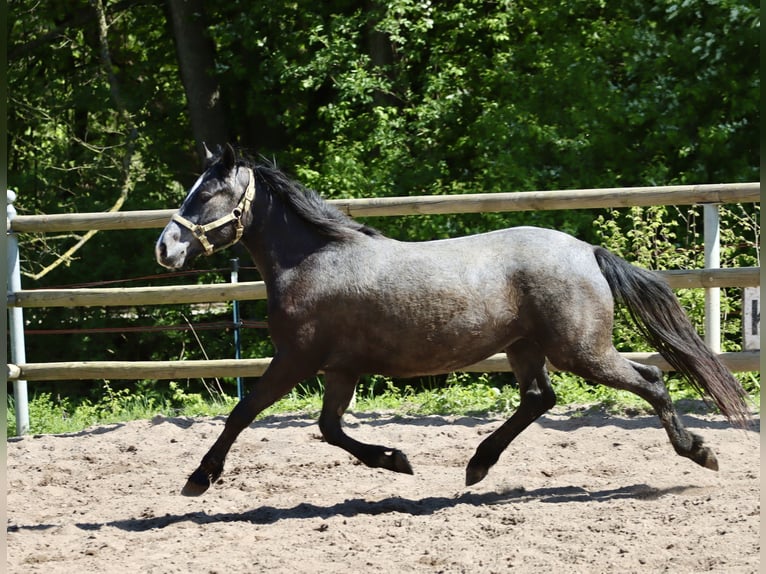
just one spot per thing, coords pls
(712, 238)
(16, 324)
(237, 324)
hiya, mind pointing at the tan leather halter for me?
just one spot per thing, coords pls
(200, 231)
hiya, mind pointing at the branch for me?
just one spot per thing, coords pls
(66, 257)
(127, 160)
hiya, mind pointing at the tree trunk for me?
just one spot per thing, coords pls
(381, 55)
(196, 60)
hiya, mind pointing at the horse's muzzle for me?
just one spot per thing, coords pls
(170, 251)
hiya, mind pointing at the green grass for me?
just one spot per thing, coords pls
(463, 394)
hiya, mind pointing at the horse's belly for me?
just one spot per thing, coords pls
(409, 354)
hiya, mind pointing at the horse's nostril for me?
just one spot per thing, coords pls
(163, 250)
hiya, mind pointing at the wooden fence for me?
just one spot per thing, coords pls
(21, 371)
(431, 205)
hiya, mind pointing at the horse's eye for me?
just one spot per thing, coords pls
(205, 196)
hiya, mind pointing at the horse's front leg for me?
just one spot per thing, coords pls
(281, 376)
(339, 388)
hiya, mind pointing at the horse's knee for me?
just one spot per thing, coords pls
(539, 401)
(548, 400)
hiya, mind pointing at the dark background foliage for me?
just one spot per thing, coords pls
(109, 103)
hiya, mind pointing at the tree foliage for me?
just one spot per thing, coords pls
(405, 97)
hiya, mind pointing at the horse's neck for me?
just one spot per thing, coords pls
(278, 239)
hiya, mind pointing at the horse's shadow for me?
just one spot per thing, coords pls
(350, 508)
(91, 431)
(693, 416)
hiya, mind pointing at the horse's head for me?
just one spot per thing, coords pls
(212, 217)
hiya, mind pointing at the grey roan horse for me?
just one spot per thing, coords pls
(345, 300)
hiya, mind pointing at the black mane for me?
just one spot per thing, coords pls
(308, 204)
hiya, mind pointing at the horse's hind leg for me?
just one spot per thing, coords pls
(537, 396)
(647, 382)
(339, 389)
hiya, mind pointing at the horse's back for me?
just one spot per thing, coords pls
(493, 264)
(399, 308)
(533, 251)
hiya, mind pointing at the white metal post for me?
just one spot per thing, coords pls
(237, 325)
(712, 239)
(16, 324)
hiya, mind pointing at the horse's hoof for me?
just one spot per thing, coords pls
(707, 459)
(477, 469)
(702, 455)
(399, 463)
(197, 484)
(474, 474)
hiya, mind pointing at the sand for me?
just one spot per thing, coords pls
(579, 491)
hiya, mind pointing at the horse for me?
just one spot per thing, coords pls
(345, 300)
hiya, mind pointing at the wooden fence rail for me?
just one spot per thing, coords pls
(253, 290)
(431, 205)
(157, 370)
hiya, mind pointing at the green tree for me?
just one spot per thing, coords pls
(369, 99)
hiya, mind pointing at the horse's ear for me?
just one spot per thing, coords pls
(229, 157)
(209, 157)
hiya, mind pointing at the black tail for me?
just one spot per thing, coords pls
(661, 320)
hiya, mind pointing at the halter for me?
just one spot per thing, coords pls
(200, 231)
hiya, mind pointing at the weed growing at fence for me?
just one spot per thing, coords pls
(460, 394)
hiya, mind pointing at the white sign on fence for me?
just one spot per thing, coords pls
(751, 318)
